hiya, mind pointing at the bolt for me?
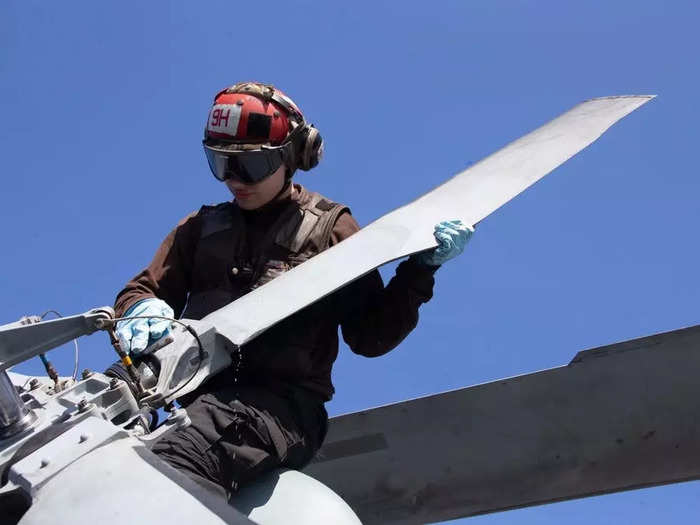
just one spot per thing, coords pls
(87, 373)
(84, 437)
(44, 463)
(34, 384)
(113, 383)
(82, 405)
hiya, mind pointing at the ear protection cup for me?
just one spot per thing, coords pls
(311, 148)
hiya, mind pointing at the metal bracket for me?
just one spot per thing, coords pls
(20, 341)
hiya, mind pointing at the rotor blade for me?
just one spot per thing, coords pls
(618, 417)
(469, 196)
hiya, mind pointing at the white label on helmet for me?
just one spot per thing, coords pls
(223, 118)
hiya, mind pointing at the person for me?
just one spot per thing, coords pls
(267, 409)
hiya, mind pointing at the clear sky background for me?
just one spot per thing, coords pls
(103, 106)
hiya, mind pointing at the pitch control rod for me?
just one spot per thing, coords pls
(28, 337)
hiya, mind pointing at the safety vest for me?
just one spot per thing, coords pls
(225, 267)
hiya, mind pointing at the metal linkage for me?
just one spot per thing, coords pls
(29, 337)
(20, 341)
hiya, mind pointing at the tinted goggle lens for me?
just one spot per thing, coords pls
(247, 166)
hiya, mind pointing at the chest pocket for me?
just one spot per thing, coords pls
(296, 239)
(294, 234)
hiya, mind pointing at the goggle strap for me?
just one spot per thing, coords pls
(268, 93)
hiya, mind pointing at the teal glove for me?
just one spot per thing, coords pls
(452, 237)
(135, 335)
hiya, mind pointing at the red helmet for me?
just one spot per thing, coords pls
(247, 113)
(251, 113)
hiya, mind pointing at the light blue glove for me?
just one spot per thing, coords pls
(135, 335)
(452, 237)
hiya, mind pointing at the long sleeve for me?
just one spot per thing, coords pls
(375, 318)
(168, 276)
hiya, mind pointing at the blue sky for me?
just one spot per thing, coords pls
(103, 105)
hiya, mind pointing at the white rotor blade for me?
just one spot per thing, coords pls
(469, 196)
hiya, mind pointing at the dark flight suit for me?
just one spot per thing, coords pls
(267, 409)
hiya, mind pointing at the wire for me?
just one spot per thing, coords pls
(76, 351)
(187, 327)
(47, 312)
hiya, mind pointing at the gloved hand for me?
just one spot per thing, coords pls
(135, 335)
(452, 237)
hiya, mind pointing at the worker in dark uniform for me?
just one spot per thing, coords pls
(267, 409)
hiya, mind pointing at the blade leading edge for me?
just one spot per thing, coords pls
(470, 196)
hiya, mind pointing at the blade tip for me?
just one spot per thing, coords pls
(611, 97)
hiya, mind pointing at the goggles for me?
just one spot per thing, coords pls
(247, 166)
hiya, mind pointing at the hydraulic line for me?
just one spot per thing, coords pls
(126, 360)
(76, 351)
(51, 371)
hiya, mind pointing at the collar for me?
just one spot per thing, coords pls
(289, 193)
